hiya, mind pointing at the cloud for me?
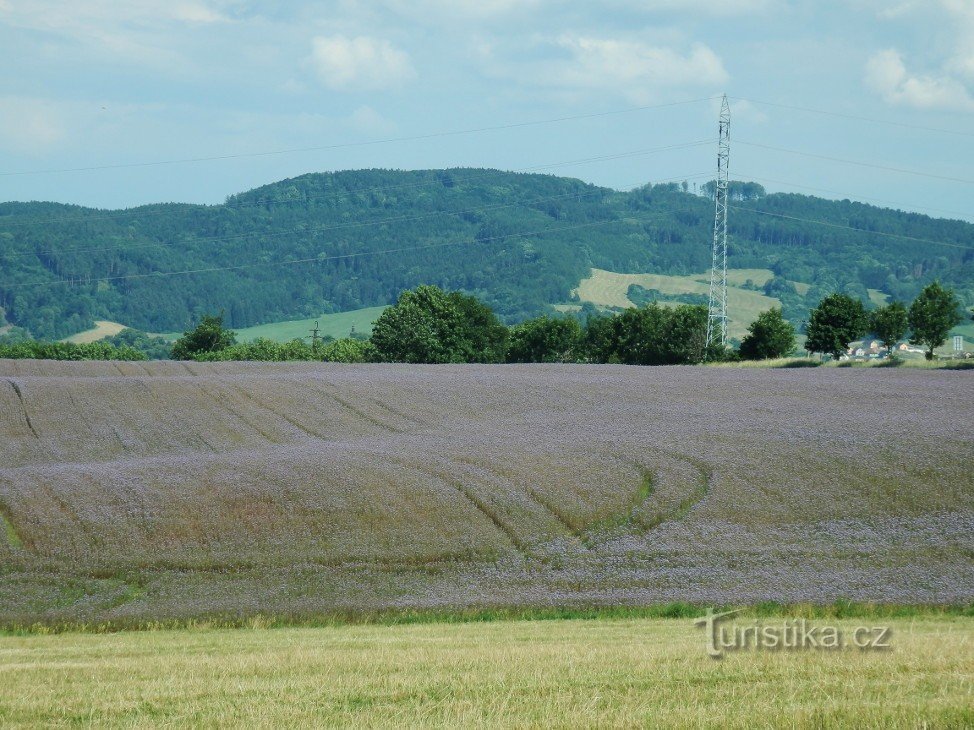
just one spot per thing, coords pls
(886, 73)
(360, 63)
(30, 126)
(476, 10)
(726, 7)
(197, 13)
(630, 68)
(950, 87)
(151, 33)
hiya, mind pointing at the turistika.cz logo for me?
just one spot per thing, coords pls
(797, 634)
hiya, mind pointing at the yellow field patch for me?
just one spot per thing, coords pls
(739, 277)
(102, 329)
(609, 289)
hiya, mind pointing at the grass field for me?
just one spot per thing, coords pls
(336, 325)
(609, 289)
(565, 673)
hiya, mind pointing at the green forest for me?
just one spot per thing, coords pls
(333, 242)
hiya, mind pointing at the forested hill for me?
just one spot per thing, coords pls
(519, 241)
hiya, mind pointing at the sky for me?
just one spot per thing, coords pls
(114, 85)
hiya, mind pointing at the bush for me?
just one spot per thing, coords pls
(38, 350)
(349, 350)
(545, 339)
(209, 336)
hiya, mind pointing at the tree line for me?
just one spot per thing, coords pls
(428, 325)
(524, 241)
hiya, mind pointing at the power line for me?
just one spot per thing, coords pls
(321, 229)
(79, 279)
(856, 162)
(854, 117)
(853, 228)
(313, 229)
(850, 196)
(345, 145)
(318, 259)
(338, 193)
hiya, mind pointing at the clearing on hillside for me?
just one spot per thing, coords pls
(102, 329)
(144, 491)
(609, 289)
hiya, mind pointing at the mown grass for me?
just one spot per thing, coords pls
(409, 617)
(609, 289)
(573, 673)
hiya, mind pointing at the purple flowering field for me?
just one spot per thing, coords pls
(139, 492)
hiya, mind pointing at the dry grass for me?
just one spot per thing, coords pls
(602, 673)
(101, 330)
(609, 289)
(138, 492)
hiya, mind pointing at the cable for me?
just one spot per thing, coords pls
(327, 258)
(339, 226)
(850, 196)
(853, 116)
(853, 228)
(317, 259)
(283, 201)
(345, 145)
(152, 244)
(855, 162)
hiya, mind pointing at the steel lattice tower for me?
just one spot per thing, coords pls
(717, 308)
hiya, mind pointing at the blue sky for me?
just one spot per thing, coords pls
(95, 83)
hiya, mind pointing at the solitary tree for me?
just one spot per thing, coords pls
(209, 336)
(769, 336)
(890, 324)
(932, 315)
(835, 322)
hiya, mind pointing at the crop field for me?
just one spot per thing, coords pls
(574, 673)
(609, 289)
(337, 325)
(101, 330)
(135, 493)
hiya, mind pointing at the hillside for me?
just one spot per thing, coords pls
(143, 491)
(521, 242)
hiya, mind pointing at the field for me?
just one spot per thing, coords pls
(100, 331)
(609, 289)
(134, 493)
(336, 325)
(573, 673)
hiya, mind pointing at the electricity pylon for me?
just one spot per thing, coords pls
(717, 307)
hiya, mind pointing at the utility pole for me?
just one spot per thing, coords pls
(717, 307)
(314, 339)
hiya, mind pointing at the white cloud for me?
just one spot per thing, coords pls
(197, 13)
(477, 10)
(886, 73)
(360, 63)
(630, 68)
(146, 32)
(951, 86)
(724, 7)
(30, 126)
